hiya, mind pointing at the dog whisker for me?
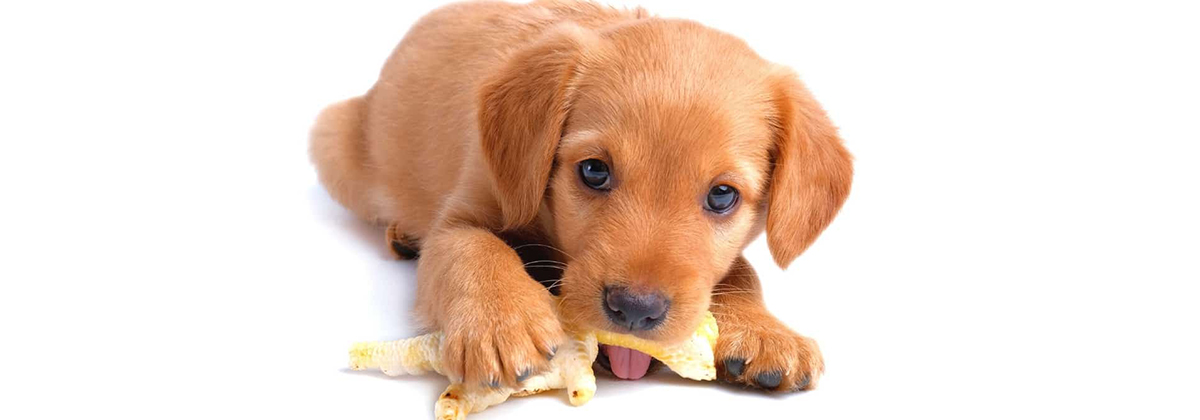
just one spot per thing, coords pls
(545, 246)
(546, 262)
(544, 266)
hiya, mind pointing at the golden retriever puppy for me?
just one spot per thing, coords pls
(627, 159)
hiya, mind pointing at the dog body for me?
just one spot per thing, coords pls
(640, 155)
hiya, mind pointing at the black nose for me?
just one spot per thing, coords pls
(636, 311)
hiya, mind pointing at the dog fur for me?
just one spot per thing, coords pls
(467, 146)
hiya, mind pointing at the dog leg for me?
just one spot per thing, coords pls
(754, 347)
(499, 324)
(337, 147)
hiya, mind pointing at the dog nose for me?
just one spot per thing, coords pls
(636, 311)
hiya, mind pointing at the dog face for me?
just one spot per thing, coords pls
(655, 152)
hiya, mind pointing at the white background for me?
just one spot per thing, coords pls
(1021, 239)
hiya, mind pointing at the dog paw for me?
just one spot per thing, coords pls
(768, 355)
(404, 247)
(513, 339)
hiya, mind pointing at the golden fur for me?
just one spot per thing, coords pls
(471, 138)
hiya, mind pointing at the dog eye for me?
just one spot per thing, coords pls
(721, 198)
(594, 173)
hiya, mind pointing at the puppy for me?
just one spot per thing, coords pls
(634, 157)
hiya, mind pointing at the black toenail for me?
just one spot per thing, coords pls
(494, 384)
(769, 379)
(734, 366)
(553, 350)
(524, 375)
(803, 382)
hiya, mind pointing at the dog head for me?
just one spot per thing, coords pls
(654, 152)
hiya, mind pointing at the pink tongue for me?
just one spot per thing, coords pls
(627, 363)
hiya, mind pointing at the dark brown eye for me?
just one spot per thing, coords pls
(594, 173)
(721, 198)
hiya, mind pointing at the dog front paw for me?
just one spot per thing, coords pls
(500, 342)
(766, 354)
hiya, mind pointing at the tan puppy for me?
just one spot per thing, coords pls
(633, 157)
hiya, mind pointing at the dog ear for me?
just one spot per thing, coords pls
(522, 110)
(812, 170)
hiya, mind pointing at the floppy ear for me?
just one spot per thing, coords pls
(521, 114)
(811, 175)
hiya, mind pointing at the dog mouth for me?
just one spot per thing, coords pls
(625, 363)
(622, 362)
